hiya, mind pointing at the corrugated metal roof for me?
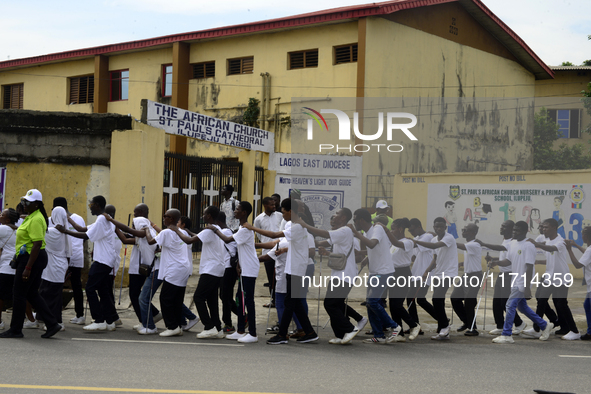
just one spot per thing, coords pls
(570, 68)
(475, 7)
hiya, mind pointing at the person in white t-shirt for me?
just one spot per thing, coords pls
(174, 272)
(269, 220)
(76, 261)
(229, 279)
(381, 267)
(464, 297)
(421, 259)
(211, 271)
(585, 263)
(295, 271)
(8, 219)
(228, 206)
(342, 241)
(248, 269)
(442, 270)
(521, 256)
(503, 282)
(97, 286)
(554, 282)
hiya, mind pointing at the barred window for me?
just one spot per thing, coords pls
(13, 96)
(204, 70)
(345, 54)
(303, 59)
(243, 65)
(82, 90)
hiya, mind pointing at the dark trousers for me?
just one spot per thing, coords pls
(437, 309)
(501, 295)
(99, 293)
(559, 298)
(206, 301)
(464, 297)
(294, 304)
(547, 310)
(247, 286)
(76, 282)
(171, 303)
(52, 294)
(115, 315)
(270, 271)
(334, 304)
(353, 314)
(24, 291)
(227, 295)
(136, 282)
(398, 294)
(418, 294)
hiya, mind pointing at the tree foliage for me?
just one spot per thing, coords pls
(567, 64)
(251, 114)
(565, 157)
(586, 63)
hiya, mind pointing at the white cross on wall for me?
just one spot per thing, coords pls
(189, 192)
(211, 192)
(170, 191)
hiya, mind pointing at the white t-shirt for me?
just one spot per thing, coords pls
(556, 262)
(212, 253)
(520, 254)
(297, 256)
(472, 257)
(229, 248)
(267, 222)
(228, 207)
(189, 251)
(311, 245)
(141, 248)
(380, 261)
(101, 234)
(424, 256)
(117, 245)
(503, 255)
(247, 254)
(342, 241)
(447, 257)
(174, 267)
(280, 278)
(57, 256)
(401, 257)
(77, 244)
(586, 261)
(8, 246)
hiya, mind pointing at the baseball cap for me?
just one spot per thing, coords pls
(382, 218)
(381, 204)
(33, 195)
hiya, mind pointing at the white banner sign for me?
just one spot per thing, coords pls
(178, 121)
(322, 165)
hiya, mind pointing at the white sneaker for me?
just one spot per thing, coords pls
(519, 329)
(530, 334)
(118, 322)
(1, 325)
(147, 331)
(172, 333)
(248, 339)
(571, 336)
(503, 339)
(220, 335)
(414, 333)
(440, 337)
(497, 331)
(445, 331)
(361, 324)
(158, 317)
(138, 327)
(394, 337)
(348, 337)
(236, 335)
(78, 320)
(96, 327)
(546, 333)
(373, 340)
(335, 341)
(211, 333)
(112, 326)
(30, 324)
(190, 324)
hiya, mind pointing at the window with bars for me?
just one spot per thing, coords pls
(345, 54)
(81, 90)
(167, 80)
(303, 59)
(13, 96)
(204, 70)
(243, 65)
(119, 85)
(568, 120)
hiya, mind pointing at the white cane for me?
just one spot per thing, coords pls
(480, 299)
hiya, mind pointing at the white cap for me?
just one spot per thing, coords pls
(33, 195)
(381, 204)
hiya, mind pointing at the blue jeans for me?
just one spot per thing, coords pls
(280, 306)
(376, 313)
(587, 306)
(517, 301)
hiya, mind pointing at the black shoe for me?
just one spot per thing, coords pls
(10, 334)
(463, 327)
(308, 338)
(586, 337)
(562, 331)
(277, 340)
(472, 333)
(51, 331)
(364, 303)
(273, 330)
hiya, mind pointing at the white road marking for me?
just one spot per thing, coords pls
(164, 342)
(569, 356)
